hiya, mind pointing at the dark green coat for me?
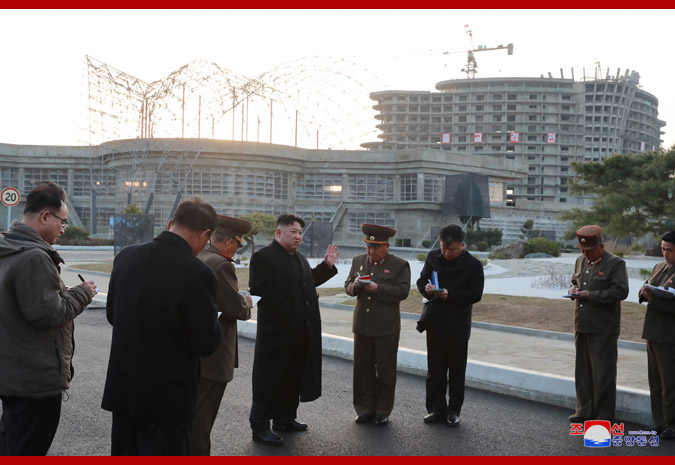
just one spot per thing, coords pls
(607, 284)
(659, 323)
(379, 314)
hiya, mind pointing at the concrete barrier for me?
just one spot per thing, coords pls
(631, 404)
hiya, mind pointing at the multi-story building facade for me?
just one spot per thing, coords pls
(404, 189)
(545, 123)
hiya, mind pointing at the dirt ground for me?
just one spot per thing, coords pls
(532, 312)
(527, 312)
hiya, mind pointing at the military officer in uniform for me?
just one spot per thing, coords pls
(659, 331)
(380, 281)
(218, 368)
(599, 284)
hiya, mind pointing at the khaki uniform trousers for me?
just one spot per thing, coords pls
(375, 374)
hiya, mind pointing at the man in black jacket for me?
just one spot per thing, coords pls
(162, 305)
(452, 281)
(287, 358)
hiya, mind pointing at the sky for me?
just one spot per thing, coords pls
(42, 52)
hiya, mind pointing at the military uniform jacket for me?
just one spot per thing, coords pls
(220, 365)
(659, 323)
(379, 314)
(288, 305)
(607, 283)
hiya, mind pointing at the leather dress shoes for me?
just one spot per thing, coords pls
(433, 417)
(365, 418)
(668, 433)
(267, 437)
(452, 419)
(289, 425)
(576, 418)
(381, 420)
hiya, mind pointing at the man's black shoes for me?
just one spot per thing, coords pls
(267, 437)
(433, 417)
(668, 433)
(365, 418)
(288, 425)
(576, 418)
(381, 420)
(452, 419)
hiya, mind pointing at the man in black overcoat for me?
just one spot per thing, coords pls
(447, 320)
(287, 360)
(162, 306)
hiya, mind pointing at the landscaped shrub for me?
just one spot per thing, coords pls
(541, 245)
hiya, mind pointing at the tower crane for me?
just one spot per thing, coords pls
(471, 65)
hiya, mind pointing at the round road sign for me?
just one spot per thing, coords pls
(10, 196)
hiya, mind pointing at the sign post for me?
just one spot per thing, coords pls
(10, 197)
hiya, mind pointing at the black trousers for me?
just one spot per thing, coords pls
(661, 375)
(138, 437)
(446, 370)
(595, 375)
(28, 426)
(286, 393)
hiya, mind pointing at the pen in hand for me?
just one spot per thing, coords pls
(82, 279)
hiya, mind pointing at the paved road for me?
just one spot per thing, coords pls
(492, 424)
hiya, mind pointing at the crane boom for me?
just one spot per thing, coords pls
(471, 65)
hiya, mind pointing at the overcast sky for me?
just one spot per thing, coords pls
(42, 52)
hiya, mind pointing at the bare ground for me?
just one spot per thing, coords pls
(527, 312)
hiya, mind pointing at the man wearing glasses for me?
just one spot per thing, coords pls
(36, 324)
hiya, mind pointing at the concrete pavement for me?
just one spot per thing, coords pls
(530, 364)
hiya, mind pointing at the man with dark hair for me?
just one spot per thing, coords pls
(218, 368)
(287, 359)
(36, 324)
(599, 284)
(659, 331)
(451, 281)
(162, 306)
(380, 281)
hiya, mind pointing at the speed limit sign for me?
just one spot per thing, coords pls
(10, 196)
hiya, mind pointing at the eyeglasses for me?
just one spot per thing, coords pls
(64, 223)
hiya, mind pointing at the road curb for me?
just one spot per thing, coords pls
(631, 404)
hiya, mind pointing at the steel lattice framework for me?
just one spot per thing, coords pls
(317, 102)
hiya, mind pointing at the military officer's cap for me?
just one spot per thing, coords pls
(235, 228)
(589, 236)
(376, 234)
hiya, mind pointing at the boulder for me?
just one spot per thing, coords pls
(517, 249)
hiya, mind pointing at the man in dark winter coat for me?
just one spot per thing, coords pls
(162, 305)
(36, 324)
(452, 281)
(287, 360)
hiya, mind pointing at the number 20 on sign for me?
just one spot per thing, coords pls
(10, 197)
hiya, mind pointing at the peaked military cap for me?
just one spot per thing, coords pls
(589, 236)
(235, 228)
(376, 234)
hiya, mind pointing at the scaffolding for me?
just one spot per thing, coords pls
(316, 102)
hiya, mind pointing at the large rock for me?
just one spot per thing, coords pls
(517, 249)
